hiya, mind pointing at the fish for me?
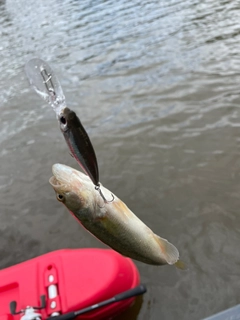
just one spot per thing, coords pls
(79, 143)
(113, 223)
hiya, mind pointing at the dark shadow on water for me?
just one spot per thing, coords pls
(5, 19)
(16, 247)
(132, 312)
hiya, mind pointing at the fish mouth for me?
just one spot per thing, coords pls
(54, 182)
(58, 187)
(71, 186)
(66, 178)
(61, 172)
(61, 179)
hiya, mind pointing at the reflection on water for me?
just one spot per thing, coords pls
(157, 87)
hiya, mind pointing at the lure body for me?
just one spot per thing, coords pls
(79, 143)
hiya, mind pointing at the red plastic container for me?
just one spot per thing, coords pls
(70, 280)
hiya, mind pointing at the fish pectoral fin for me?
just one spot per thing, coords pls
(169, 251)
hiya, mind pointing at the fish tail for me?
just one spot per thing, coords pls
(169, 251)
(180, 265)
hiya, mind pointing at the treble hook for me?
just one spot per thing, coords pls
(47, 79)
(97, 187)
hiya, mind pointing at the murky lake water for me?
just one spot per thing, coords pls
(157, 86)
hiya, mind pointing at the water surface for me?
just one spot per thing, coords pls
(156, 84)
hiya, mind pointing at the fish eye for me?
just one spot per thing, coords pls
(60, 197)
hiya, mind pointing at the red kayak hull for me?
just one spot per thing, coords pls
(79, 278)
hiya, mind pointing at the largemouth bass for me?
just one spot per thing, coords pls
(113, 223)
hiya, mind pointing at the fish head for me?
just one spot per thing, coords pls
(72, 187)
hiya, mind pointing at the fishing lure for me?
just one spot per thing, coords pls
(46, 84)
(79, 143)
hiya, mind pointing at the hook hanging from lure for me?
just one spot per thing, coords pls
(47, 86)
